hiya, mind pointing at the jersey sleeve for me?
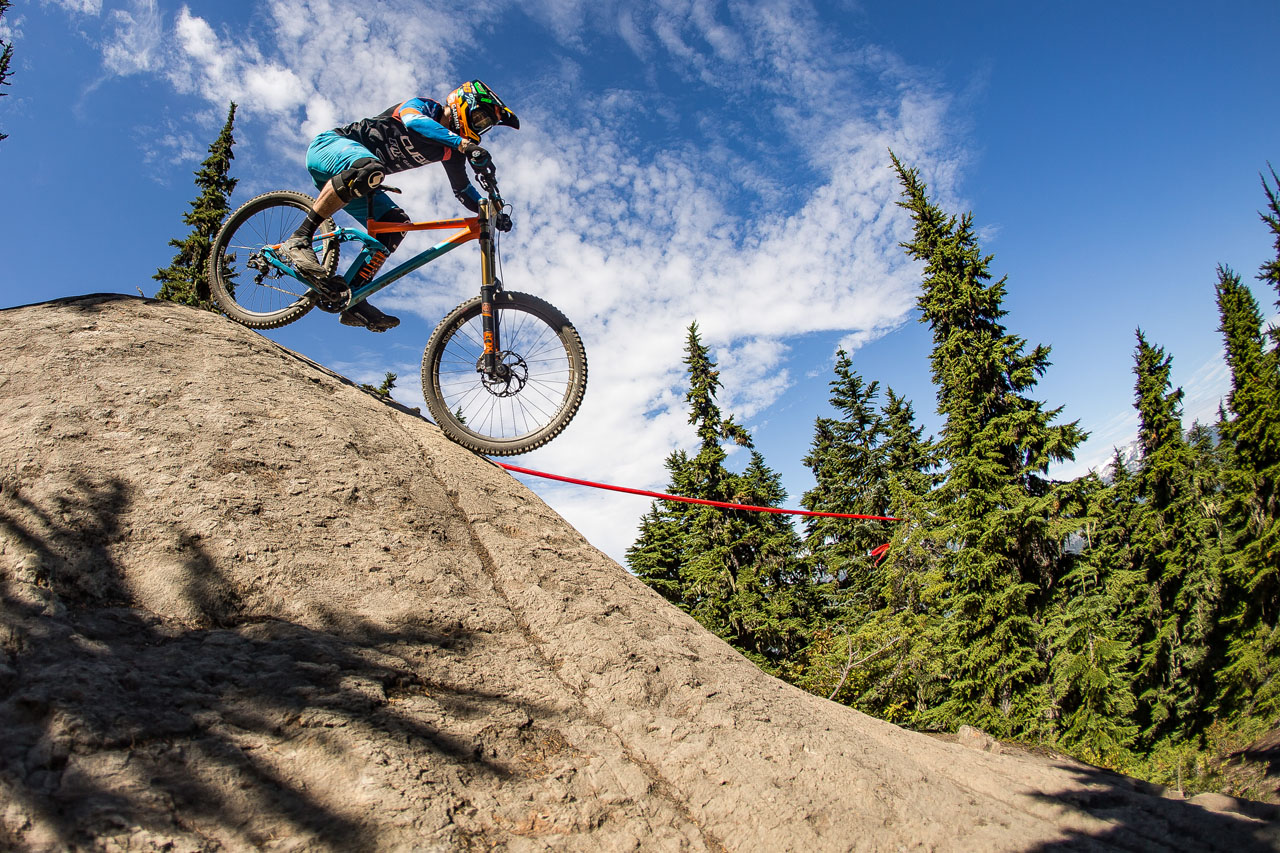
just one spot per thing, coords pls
(414, 114)
(466, 193)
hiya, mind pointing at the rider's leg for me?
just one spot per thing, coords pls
(359, 181)
(326, 204)
(370, 261)
(342, 170)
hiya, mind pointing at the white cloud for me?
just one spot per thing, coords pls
(273, 88)
(135, 43)
(1206, 390)
(78, 7)
(11, 28)
(172, 146)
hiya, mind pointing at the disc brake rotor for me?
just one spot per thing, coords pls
(508, 378)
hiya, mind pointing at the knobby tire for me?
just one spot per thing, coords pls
(549, 362)
(253, 297)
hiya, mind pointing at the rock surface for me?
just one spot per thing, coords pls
(247, 605)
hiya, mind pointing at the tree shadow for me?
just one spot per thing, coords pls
(1140, 818)
(1265, 753)
(119, 721)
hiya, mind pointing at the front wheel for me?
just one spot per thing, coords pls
(530, 398)
(244, 284)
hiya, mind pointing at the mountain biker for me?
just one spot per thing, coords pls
(348, 165)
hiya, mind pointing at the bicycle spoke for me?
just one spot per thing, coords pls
(534, 396)
(260, 292)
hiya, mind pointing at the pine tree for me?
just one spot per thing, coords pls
(6, 56)
(656, 555)
(912, 463)
(736, 572)
(992, 520)
(385, 389)
(184, 279)
(1090, 640)
(1249, 682)
(909, 458)
(1179, 556)
(851, 475)
(872, 649)
(1270, 271)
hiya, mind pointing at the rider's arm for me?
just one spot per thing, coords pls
(467, 194)
(413, 115)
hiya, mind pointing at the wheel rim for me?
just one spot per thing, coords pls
(514, 407)
(256, 285)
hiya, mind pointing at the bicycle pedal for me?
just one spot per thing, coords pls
(335, 297)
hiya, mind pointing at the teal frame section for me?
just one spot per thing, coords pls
(359, 294)
(372, 243)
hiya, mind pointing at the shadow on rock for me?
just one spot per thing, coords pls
(120, 723)
(1135, 825)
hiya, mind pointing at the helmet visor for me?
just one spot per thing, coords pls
(480, 119)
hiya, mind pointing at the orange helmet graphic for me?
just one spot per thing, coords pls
(478, 109)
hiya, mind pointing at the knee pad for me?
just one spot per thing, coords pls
(392, 239)
(364, 176)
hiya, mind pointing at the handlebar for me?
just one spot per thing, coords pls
(487, 177)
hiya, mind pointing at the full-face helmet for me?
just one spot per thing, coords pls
(477, 109)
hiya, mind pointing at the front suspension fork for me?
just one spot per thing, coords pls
(490, 363)
(489, 323)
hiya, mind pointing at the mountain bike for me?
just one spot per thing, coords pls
(502, 374)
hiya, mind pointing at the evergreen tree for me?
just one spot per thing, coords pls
(385, 389)
(991, 522)
(656, 555)
(909, 458)
(6, 56)
(1090, 640)
(736, 572)
(184, 279)
(1249, 683)
(1179, 556)
(912, 463)
(1270, 272)
(872, 649)
(851, 474)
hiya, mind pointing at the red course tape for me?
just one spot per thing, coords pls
(665, 497)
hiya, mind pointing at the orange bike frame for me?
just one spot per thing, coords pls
(468, 229)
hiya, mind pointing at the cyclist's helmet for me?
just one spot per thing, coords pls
(479, 109)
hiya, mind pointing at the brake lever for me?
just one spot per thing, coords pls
(387, 189)
(489, 180)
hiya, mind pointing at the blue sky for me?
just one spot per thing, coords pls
(682, 160)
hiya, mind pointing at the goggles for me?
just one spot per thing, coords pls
(480, 119)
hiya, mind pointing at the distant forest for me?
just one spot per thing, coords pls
(1127, 618)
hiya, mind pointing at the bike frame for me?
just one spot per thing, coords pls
(479, 227)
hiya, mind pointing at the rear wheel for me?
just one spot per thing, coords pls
(541, 379)
(244, 284)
